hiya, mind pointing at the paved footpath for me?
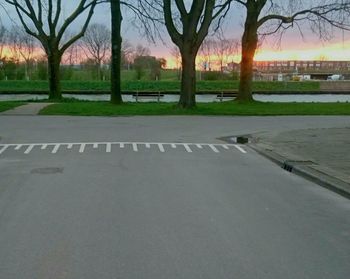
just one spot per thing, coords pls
(324, 151)
(28, 109)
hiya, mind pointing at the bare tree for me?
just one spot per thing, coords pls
(175, 52)
(224, 49)
(116, 57)
(144, 18)
(206, 51)
(72, 55)
(187, 29)
(43, 20)
(3, 40)
(23, 47)
(140, 50)
(265, 17)
(127, 53)
(96, 44)
(12, 44)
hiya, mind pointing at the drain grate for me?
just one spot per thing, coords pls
(244, 139)
(288, 167)
(291, 164)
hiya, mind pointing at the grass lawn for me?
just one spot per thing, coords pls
(226, 108)
(9, 105)
(32, 86)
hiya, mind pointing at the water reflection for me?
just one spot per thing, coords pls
(209, 98)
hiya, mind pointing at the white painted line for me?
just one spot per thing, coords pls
(188, 149)
(240, 149)
(29, 148)
(135, 146)
(18, 146)
(55, 149)
(161, 147)
(3, 149)
(214, 148)
(108, 147)
(82, 147)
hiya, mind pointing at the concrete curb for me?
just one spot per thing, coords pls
(305, 170)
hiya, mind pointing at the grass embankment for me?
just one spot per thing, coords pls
(9, 105)
(33, 86)
(225, 108)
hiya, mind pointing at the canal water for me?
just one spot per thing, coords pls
(207, 98)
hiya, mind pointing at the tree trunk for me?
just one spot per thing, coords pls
(54, 61)
(188, 80)
(116, 93)
(99, 72)
(249, 45)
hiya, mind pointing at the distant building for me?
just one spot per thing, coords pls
(317, 69)
(316, 65)
(282, 66)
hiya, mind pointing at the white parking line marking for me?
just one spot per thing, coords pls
(240, 148)
(188, 149)
(55, 149)
(3, 148)
(29, 148)
(108, 147)
(213, 148)
(18, 146)
(82, 148)
(161, 147)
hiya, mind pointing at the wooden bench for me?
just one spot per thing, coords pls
(226, 95)
(148, 95)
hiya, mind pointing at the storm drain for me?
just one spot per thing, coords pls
(245, 139)
(290, 165)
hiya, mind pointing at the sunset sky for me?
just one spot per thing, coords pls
(293, 46)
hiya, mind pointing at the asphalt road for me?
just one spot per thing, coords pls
(135, 203)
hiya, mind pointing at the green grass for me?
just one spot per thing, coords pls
(9, 105)
(225, 108)
(32, 86)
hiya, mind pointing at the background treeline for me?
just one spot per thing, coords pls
(22, 58)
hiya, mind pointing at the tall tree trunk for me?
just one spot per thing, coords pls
(116, 93)
(249, 45)
(188, 80)
(54, 60)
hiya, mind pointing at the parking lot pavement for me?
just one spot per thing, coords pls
(163, 210)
